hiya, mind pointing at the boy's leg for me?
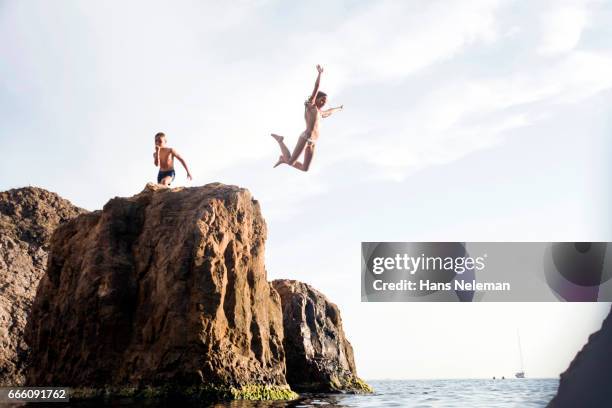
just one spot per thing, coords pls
(166, 181)
(297, 150)
(308, 155)
(284, 149)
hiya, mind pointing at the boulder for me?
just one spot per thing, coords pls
(164, 291)
(586, 382)
(28, 217)
(319, 357)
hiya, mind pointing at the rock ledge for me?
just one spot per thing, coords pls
(586, 382)
(319, 357)
(28, 217)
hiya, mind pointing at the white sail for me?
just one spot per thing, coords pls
(520, 374)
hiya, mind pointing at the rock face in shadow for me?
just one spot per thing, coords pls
(164, 288)
(588, 380)
(319, 357)
(28, 217)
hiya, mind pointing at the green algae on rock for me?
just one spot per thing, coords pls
(193, 393)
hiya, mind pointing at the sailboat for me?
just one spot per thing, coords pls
(520, 374)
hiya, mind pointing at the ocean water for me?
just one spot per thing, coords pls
(447, 393)
(401, 393)
(432, 394)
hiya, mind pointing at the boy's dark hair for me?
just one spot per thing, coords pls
(159, 134)
(321, 94)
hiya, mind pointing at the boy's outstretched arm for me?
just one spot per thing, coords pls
(329, 112)
(179, 158)
(316, 85)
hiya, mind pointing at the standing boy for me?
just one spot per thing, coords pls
(164, 159)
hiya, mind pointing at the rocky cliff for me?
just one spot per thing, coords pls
(319, 357)
(165, 290)
(165, 294)
(28, 217)
(587, 381)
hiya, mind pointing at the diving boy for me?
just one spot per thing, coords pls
(313, 112)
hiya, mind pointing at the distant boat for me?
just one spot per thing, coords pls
(520, 374)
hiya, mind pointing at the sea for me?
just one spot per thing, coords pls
(395, 393)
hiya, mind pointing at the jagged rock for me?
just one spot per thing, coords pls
(319, 357)
(28, 217)
(164, 289)
(586, 382)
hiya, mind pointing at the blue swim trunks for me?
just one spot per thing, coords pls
(163, 174)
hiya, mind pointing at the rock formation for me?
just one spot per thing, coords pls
(28, 217)
(165, 290)
(586, 382)
(319, 357)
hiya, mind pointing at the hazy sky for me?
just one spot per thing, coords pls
(463, 121)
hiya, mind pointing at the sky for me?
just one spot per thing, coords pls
(463, 121)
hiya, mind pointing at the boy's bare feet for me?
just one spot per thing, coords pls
(278, 138)
(280, 161)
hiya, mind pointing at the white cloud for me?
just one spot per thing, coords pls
(463, 115)
(562, 28)
(389, 40)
